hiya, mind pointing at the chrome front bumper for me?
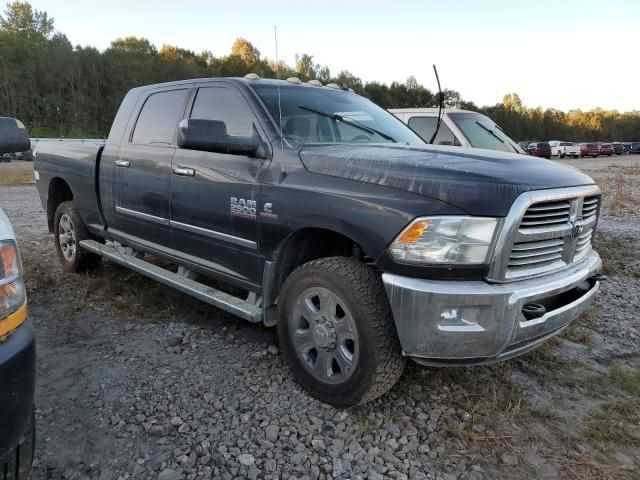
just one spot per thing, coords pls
(471, 322)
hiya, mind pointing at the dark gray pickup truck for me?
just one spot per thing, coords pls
(363, 244)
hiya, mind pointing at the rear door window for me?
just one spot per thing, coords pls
(159, 118)
(425, 126)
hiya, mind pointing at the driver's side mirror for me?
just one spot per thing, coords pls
(13, 136)
(212, 136)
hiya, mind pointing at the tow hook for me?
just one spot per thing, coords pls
(598, 277)
(533, 310)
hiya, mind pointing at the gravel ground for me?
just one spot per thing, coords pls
(137, 381)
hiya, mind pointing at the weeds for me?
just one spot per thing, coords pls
(16, 173)
(616, 251)
(623, 200)
(628, 380)
(615, 423)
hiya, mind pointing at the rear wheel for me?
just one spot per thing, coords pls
(337, 332)
(69, 230)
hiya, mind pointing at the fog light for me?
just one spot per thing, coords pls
(460, 319)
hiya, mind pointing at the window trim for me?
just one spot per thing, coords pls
(174, 139)
(188, 113)
(193, 93)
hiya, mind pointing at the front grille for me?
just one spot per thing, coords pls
(534, 255)
(551, 235)
(546, 215)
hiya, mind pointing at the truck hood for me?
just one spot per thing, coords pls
(481, 182)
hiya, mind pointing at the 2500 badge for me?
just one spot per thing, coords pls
(243, 208)
(248, 208)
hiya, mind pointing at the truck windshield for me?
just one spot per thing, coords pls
(317, 115)
(482, 132)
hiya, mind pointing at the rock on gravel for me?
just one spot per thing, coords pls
(168, 474)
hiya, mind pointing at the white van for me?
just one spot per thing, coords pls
(462, 128)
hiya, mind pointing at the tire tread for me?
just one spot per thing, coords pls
(368, 291)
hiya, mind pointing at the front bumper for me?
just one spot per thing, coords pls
(458, 323)
(17, 387)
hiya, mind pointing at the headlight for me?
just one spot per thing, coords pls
(12, 294)
(445, 240)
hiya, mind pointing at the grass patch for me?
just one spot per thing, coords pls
(623, 200)
(616, 251)
(489, 394)
(628, 169)
(542, 359)
(615, 423)
(579, 334)
(16, 173)
(628, 380)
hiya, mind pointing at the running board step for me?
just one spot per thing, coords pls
(217, 298)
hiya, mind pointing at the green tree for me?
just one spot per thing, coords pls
(305, 68)
(59, 90)
(21, 18)
(245, 50)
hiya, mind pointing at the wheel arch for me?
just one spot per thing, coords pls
(59, 192)
(300, 247)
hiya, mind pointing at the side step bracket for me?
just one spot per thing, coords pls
(224, 301)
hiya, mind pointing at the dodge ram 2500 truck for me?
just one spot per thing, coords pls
(360, 242)
(17, 339)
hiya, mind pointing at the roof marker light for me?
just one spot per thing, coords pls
(317, 83)
(294, 80)
(252, 76)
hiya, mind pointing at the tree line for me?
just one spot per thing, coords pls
(60, 90)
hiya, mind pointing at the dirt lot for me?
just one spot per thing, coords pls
(138, 381)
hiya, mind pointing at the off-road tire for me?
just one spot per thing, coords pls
(82, 260)
(380, 362)
(17, 466)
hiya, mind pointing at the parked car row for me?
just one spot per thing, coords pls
(560, 149)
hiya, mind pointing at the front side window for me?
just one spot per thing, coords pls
(227, 106)
(425, 126)
(482, 132)
(159, 117)
(321, 115)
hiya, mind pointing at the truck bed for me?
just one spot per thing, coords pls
(72, 161)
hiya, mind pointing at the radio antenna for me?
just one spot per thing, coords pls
(441, 101)
(275, 35)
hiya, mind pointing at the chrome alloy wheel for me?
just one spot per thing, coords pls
(67, 238)
(324, 335)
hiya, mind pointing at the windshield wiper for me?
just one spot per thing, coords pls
(348, 121)
(490, 131)
(510, 142)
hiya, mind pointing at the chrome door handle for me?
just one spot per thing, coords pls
(122, 163)
(184, 172)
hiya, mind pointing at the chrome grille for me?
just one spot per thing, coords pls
(583, 244)
(546, 231)
(537, 254)
(590, 207)
(547, 214)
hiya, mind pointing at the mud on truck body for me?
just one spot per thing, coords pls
(361, 243)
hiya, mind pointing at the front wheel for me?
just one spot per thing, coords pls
(337, 332)
(69, 230)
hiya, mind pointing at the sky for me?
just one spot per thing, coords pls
(561, 54)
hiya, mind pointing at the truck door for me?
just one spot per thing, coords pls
(142, 171)
(215, 196)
